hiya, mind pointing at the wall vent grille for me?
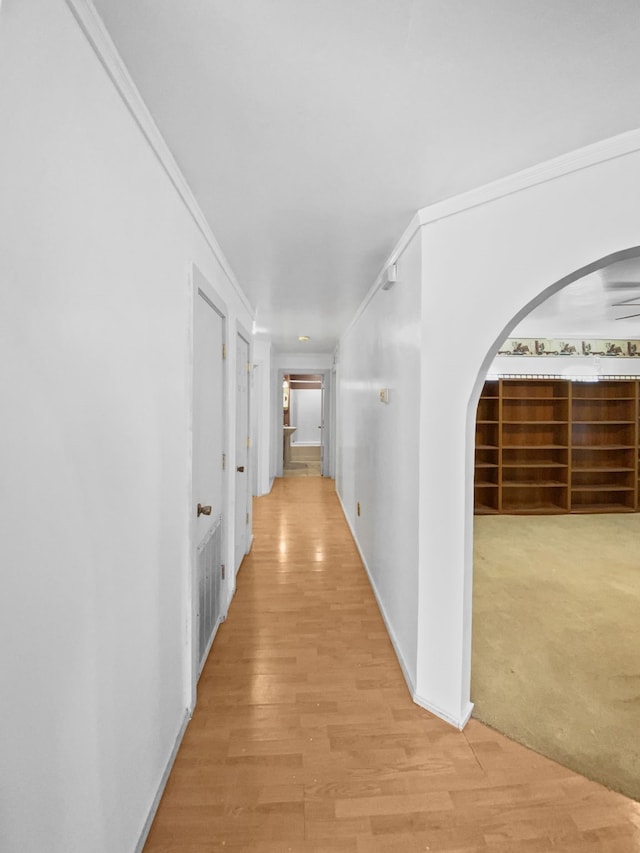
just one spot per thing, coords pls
(209, 560)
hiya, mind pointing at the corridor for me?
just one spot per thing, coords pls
(305, 737)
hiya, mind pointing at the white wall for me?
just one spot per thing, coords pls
(482, 262)
(95, 314)
(511, 249)
(261, 412)
(302, 362)
(306, 415)
(378, 447)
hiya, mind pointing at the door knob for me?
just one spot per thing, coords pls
(240, 468)
(203, 510)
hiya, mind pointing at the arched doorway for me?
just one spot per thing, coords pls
(485, 257)
(556, 587)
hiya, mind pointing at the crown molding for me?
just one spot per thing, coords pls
(96, 34)
(405, 240)
(549, 170)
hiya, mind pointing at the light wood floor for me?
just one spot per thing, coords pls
(305, 738)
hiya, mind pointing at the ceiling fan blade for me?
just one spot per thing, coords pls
(621, 285)
(634, 300)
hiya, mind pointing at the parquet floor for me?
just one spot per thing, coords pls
(305, 738)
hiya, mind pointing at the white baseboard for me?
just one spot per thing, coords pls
(163, 783)
(262, 492)
(383, 612)
(220, 620)
(459, 723)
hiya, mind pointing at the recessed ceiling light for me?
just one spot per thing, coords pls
(304, 338)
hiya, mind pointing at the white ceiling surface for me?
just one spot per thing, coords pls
(312, 130)
(605, 304)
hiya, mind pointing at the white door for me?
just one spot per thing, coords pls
(242, 450)
(208, 471)
(323, 452)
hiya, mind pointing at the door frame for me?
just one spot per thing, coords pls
(328, 404)
(242, 332)
(198, 283)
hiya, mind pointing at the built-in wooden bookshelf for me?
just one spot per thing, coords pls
(488, 449)
(556, 446)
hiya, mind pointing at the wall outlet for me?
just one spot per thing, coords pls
(384, 395)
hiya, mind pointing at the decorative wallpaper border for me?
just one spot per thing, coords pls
(566, 378)
(581, 348)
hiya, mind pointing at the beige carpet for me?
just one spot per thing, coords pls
(556, 639)
(304, 462)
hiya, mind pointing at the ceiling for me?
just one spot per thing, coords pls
(603, 304)
(310, 131)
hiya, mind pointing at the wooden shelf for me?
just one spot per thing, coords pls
(552, 446)
(538, 389)
(530, 484)
(600, 450)
(601, 488)
(598, 468)
(535, 465)
(534, 446)
(617, 389)
(538, 509)
(524, 457)
(600, 508)
(483, 509)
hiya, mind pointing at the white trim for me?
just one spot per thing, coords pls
(444, 715)
(232, 592)
(460, 722)
(163, 783)
(96, 33)
(200, 284)
(219, 621)
(549, 170)
(244, 335)
(276, 414)
(385, 618)
(190, 641)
